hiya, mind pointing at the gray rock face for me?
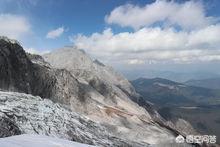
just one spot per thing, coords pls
(18, 73)
(8, 127)
(15, 68)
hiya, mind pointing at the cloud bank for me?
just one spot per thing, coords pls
(164, 31)
(154, 44)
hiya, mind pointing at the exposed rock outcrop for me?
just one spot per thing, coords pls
(31, 74)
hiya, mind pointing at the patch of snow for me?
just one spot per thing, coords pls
(181, 85)
(165, 85)
(31, 140)
(189, 107)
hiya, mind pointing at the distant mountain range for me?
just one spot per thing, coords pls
(211, 83)
(165, 92)
(198, 105)
(171, 75)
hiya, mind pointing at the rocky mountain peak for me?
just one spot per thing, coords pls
(69, 77)
(82, 66)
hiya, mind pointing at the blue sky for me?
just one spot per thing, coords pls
(135, 33)
(77, 16)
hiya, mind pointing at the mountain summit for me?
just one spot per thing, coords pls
(107, 96)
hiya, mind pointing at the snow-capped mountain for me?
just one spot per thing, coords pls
(75, 98)
(109, 101)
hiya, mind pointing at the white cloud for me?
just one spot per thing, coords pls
(206, 36)
(188, 15)
(55, 33)
(14, 26)
(153, 44)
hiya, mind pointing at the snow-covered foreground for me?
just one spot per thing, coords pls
(27, 140)
(26, 114)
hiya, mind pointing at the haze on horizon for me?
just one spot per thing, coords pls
(135, 37)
